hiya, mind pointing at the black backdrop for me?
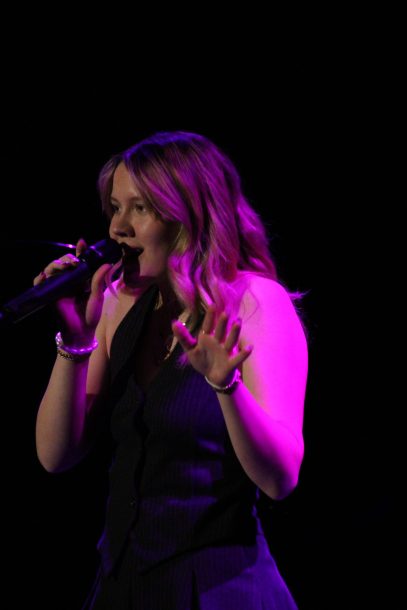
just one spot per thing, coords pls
(304, 137)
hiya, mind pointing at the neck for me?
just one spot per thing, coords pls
(167, 301)
(166, 296)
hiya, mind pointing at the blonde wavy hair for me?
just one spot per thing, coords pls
(188, 180)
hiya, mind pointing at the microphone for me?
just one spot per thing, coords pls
(63, 284)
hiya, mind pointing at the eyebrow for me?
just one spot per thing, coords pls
(135, 198)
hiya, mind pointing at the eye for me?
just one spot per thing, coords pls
(140, 208)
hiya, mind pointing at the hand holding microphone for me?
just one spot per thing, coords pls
(64, 281)
(80, 312)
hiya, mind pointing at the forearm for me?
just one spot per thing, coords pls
(61, 418)
(267, 451)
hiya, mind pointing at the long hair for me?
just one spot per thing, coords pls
(188, 180)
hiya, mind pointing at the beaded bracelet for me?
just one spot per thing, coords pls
(227, 389)
(77, 354)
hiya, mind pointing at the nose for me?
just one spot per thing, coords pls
(119, 232)
(120, 227)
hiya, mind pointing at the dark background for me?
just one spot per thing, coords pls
(306, 125)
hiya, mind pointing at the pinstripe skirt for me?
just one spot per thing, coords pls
(235, 576)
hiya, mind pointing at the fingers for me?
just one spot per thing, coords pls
(233, 335)
(236, 357)
(183, 336)
(39, 278)
(62, 263)
(221, 326)
(208, 325)
(241, 356)
(209, 320)
(81, 246)
(97, 286)
(59, 264)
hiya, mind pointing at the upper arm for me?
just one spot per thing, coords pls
(276, 371)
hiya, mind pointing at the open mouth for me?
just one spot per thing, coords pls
(131, 253)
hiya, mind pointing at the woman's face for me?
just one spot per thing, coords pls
(135, 226)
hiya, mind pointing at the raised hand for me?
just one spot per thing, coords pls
(215, 353)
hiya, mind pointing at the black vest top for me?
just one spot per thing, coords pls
(175, 483)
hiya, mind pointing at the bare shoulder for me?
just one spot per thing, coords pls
(264, 296)
(276, 371)
(268, 314)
